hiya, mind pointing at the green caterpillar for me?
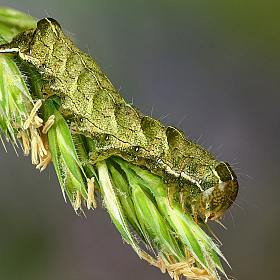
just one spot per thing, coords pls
(118, 128)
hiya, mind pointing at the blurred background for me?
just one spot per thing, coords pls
(213, 67)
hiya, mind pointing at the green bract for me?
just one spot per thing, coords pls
(13, 22)
(15, 100)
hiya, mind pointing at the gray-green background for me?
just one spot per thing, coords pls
(217, 62)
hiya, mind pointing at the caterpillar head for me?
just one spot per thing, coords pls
(217, 199)
(33, 45)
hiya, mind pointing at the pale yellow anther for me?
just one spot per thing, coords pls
(39, 143)
(37, 121)
(32, 114)
(77, 204)
(45, 141)
(48, 124)
(189, 258)
(148, 258)
(41, 149)
(25, 141)
(161, 264)
(34, 149)
(90, 193)
(190, 268)
(44, 161)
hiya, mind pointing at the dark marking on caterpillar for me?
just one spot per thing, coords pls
(118, 128)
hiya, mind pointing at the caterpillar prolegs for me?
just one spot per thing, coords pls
(118, 128)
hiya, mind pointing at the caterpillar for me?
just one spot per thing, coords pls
(118, 128)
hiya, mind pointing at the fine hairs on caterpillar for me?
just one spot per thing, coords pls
(118, 128)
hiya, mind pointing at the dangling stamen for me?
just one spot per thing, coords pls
(91, 200)
(48, 124)
(32, 114)
(25, 141)
(34, 147)
(44, 161)
(77, 204)
(37, 122)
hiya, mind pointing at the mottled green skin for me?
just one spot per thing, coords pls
(117, 127)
